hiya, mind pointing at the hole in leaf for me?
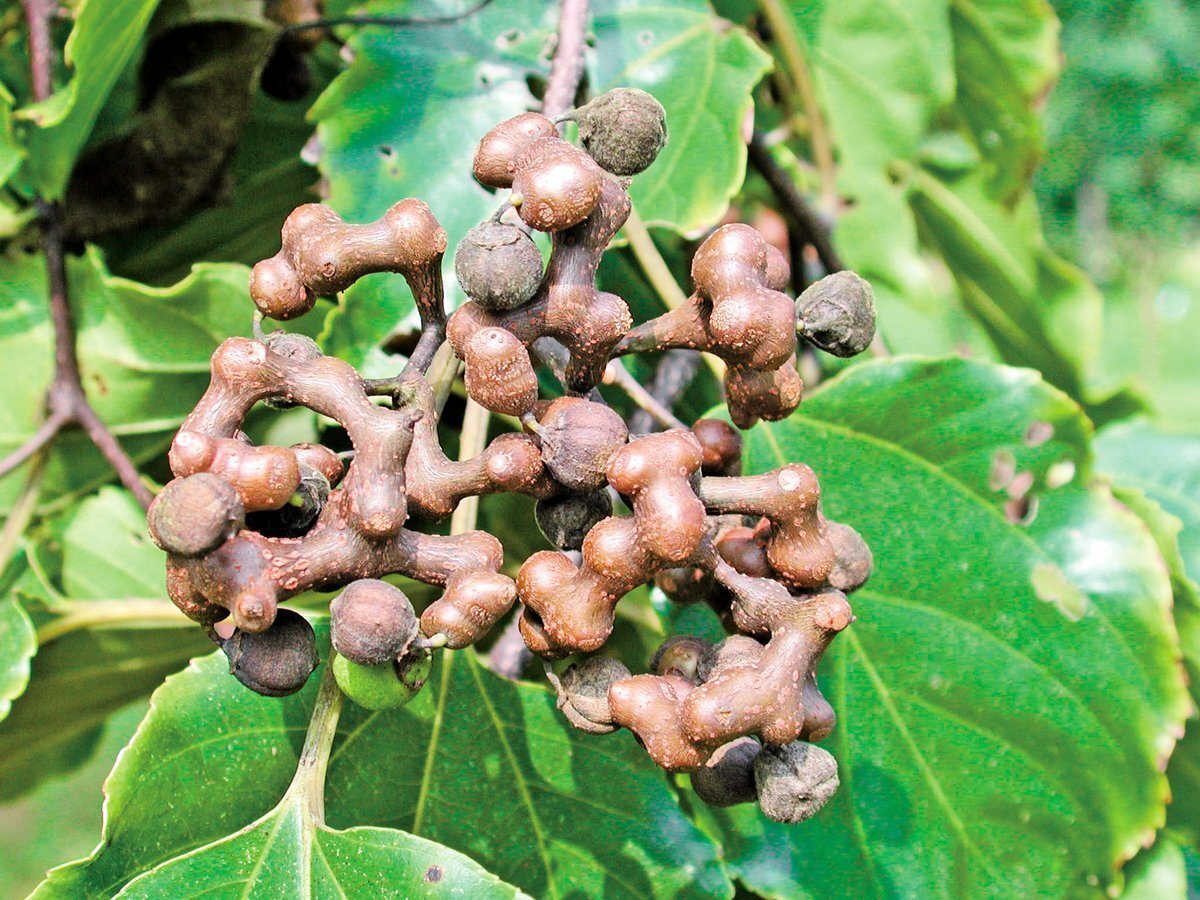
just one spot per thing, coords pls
(1022, 510)
(1004, 467)
(1038, 433)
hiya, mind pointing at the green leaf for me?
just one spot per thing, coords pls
(383, 132)
(287, 854)
(702, 71)
(1166, 467)
(77, 682)
(17, 646)
(11, 150)
(108, 636)
(1157, 873)
(143, 353)
(105, 36)
(291, 852)
(1010, 692)
(1158, 475)
(526, 776)
(1006, 57)
(882, 70)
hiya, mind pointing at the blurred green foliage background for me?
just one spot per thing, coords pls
(1119, 187)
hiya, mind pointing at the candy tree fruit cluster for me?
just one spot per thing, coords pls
(248, 527)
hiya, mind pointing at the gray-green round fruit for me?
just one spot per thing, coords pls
(195, 515)
(837, 314)
(727, 779)
(275, 662)
(794, 781)
(386, 686)
(623, 130)
(498, 266)
(372, 622)
(565, 519)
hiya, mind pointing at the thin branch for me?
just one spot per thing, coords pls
(783, 30)
(795, 207)
(567, 68)
(615, 373)
(21, 512)
(675, 372)
(66, 401)
(40, 439)
(385, 21)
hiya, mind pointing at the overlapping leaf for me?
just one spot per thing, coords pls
(105, 36)
(143, 352)
(1010, 692)
(477, 763)
(110, 636)
(1158, 476)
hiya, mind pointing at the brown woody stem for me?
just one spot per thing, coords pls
(66, 401)
(801, 216)
(567, 68)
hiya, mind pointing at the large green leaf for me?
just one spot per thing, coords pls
(290, 851)
(287, 854)
(1010, 692)
(702, 71)
(143, 352)
(477, 763)
(384, 133)
(104, 39)
(1037, 310)
(1167, 468)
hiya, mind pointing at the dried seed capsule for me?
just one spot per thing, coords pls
(584, 693)
(680, 655)
(275, 662)
(372, 622)
(623, 130)
(193, 516)
(837, 314)
(794, 781)
(722, 445)
(852, 560)
(727, 779)
(566, 519)
(387, 686)
(578, 439)
(498, 266)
